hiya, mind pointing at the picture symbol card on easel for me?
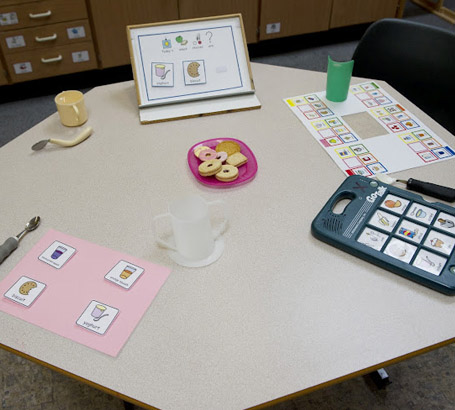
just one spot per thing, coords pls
(162, 74)
(194, 72)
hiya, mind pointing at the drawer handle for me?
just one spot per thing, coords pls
(43, 39)
(40, 15)
(52, 60)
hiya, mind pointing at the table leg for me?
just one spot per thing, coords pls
(129, 406)
(380, 378)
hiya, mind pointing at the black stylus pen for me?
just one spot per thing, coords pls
(428, 188)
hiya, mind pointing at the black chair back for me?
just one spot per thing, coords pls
(415, 59)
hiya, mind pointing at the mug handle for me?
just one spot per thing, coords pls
(222, 228)
(159, 240)
(76, 110)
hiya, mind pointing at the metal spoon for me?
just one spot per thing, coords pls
(12, 243)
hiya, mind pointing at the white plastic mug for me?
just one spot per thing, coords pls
(192, 231)
(71, 108)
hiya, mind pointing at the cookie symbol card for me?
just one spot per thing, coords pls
(194, 72)
(57, 254)
(124, 274)
(25, 291)
(97, 317)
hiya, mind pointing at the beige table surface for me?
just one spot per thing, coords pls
(279, 313)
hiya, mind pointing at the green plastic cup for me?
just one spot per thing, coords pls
(338, 79)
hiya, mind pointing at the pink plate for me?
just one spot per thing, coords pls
(246, 172)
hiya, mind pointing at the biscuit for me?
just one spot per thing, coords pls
(222, 156)
(193, 69)
(209, 168)
(237, 159)
(228, 173)
(198, 148)
(26, 287)
(207, 154)
(229, 147)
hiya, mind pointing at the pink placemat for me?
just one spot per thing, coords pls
(82, 291)
(246, 172)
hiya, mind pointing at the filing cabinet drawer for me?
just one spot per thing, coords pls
(8, 2)
(51, 62)
(52, 35)
(42, 12)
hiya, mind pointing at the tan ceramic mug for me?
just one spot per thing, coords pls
(71, 108)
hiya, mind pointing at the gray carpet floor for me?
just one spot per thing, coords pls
(423, 382)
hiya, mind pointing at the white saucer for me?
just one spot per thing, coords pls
(189, 263)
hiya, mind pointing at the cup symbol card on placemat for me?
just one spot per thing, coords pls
(25, 291)
(97, 317)
(124, 274)
(57, 254)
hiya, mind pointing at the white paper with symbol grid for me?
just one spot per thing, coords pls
(406, 142)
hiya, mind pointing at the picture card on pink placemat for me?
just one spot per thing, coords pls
(25, 291)
(124, 274)
(91, 300)
(57, 254)
(92, 315)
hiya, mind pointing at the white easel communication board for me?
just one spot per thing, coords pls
(190, 60)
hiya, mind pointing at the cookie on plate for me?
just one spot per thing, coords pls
(237, 159)
(209, 168)
(198, 148)
(208, 154)
(229, 147)
(228, 173)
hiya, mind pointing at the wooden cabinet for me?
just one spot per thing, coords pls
(110, 18)
(41, 37)
(205, 8)
(291, 17)
(51, 62)
(41, 12)
(45, 38)
(349, 12)
(3, 78)
(8, 2)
